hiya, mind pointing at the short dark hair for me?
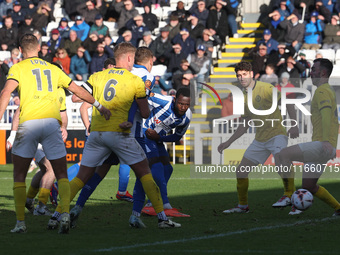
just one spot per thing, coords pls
(183, 91)
(109, 61)
(28, 42)
(325, 64)
(123, 48)
(243, 66)
(142, 55)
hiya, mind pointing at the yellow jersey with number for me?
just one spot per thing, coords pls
(268, 125)
(38, 88)
(324, 97)
(115, 89)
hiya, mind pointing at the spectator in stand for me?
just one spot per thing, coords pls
(259, 56)
(103, 52)
(92, 42)
(294, 69)
(160, 46)
(38, 35)
(88, 11)
(180, 12)
(193, 26)
(137, 27)
(269, 76)
(5, 7)
(329, 4)
(201, 63)
(306, 64)
(114, 10)
(150, 19)
(26, 27)
(300, 4)
(8, 35)
(161, 3)
(127, 37)
(324, 13)
(147, 40)
(281, 55)
(187, 43)
(79, 65)
(285, 8)
(185, 70)
(70, 7)
(175, 57)
(231, 8)
(313, 33)
(160, 86)
(272, 23)
(55, 41)
(200, 11)
(15, 58)
(271, 43)
(294, 30)
(284, 83)
(207, 42)
(44, 53)
(29, 6)
(99, 27)
(64, 59)
(217, 21)
(17, 14)
(63, 28)
(109, 42)
(81, 27)
(127, 13)
(318, 55)
(42, 17)
(175, 26)
(332, 34)
(72, 44)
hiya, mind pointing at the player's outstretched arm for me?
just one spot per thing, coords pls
(293, 132)
(238, 133)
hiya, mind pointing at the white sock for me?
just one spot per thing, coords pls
(122, 193)
(167, 206)
(243, 206)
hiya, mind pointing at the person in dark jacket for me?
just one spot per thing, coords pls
(200, 11)
(26, 27)
(42, 17)
(160, 46)
(17, 14)
(150, 20)
(193, 26)
(99, 57)
(294, 69)
(44, 53)
(8, 35)
(187, 43)
(88, 11)
(63, 28)
(217, 21)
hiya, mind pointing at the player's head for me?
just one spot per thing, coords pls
(244, 73)
(182, 101)
(109, 63)
(29, 44)
(144, 56)
(321, 71)
(125, 55)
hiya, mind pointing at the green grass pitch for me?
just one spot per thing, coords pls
(103, 226)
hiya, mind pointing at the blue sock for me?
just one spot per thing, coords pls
(157, 171)
(138, 197)
(124, 176)
(72, 171)
(88, 189)
(168, 169)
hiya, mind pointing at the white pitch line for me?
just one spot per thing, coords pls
(207, 237)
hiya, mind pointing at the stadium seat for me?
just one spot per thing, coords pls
(4, 54)
(112, 27)
(310, 54)
(50, 26)
(328, 53)
(157, 11)
(140, 10)
(158, 70)
(166, 12)
(336, 71)
(45, 38)
(337, 57)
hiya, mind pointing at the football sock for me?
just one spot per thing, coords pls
(162, 216)
(72, 171)
(167, 206)
(152, 191)
(157, 171)
(288, 185)
(325, 196)
(56, 215)
(32, 192)
(75, 185)
(138, 197)
(64, 194)
(242, 190)
(124, 176)
(168, 169)
(44, 195)
(19, 192)
(88, 189)
(137, 214)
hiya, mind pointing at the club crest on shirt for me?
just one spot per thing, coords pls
(258, 98)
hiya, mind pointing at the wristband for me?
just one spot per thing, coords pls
(12, 137)
(97, 105)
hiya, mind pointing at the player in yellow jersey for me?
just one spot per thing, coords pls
(325, 135)
(38, 82)
(269, 139)
(116, 88)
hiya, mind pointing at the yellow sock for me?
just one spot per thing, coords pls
(32, 192)
(64, 193)
(288, 183)
(242, 191)
(325, 196)
(152, 191)
(44, 195)
(19, 192)
(75, 185)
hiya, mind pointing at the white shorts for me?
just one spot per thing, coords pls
(44, 131)
(258, 152)
(100, 144)
(314, 153)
